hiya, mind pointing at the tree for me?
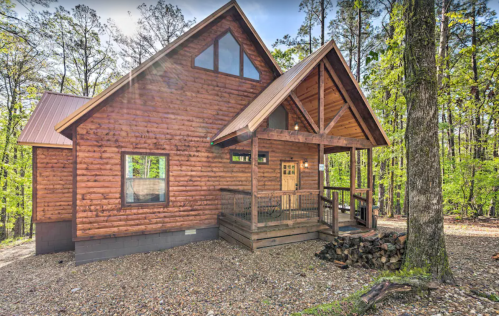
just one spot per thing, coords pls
(91, 63)
(426, 239)
(157, 27)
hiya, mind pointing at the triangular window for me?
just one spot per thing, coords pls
(249, 69)
(229, 55)
(205, 59)
(226, 55)
(279, 118)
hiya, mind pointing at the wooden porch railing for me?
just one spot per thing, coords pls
(330, 215)
(287, 207)
(274, 207)
(343, 195)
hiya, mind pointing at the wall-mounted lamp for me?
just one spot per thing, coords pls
(297, 127)
(305, 163)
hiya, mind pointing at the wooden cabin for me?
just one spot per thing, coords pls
(165, 156)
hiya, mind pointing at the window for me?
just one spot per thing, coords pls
(145, 179)
(205, 59)
(249, 69)
(229, 53)
(279, 118)
(230, 56)
(244, 157)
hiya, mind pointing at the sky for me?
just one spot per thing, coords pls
(272, 19)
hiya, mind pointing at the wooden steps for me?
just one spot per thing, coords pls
(267, 236)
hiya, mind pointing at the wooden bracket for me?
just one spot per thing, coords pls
(336, 118)
(343, 91)
(304, 112)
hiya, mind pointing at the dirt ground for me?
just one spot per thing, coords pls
(215, 278)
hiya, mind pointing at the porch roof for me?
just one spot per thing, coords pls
(251, 117)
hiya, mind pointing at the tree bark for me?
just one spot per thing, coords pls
(426, 239)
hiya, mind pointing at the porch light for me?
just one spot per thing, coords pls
(297, 127)
(305, 163)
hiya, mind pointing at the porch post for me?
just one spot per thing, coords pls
(254, 182)
(369, 204)
(352, 182)
(321, 183)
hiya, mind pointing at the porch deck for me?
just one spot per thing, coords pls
(282, 217)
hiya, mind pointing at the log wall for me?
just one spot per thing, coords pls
(175, 109)
(54, 184)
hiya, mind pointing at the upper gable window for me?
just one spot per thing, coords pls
(229, 53)
(249, 69)
(226, 55)
(279, 118)
(205, 59)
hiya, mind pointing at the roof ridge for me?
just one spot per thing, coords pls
(68, 95)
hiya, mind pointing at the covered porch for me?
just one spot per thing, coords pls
(333, 116)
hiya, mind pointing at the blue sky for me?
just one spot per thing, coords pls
(272, 19)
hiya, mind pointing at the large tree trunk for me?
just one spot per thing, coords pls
(426, 239)
(381, 191)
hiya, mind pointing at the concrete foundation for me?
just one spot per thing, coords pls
(101, 249)
(54, 237)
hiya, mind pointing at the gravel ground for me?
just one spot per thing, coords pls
(215, 278)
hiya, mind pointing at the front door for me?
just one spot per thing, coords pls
(289, 174)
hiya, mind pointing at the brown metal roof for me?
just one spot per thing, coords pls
(52, 108)
(251, 117)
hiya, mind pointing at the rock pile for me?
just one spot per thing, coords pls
(371, 251)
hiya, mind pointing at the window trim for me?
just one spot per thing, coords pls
(245, 151)
(287, 117)
(125, 205)
(242, 51)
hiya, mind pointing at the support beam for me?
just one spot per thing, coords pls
(254, 182)
(353, 168)
(334, 150)
(343, 91)
(369, 204)
(336, 230)
(301, 137)
(321, 97)
(336, 118)
(304, 112)
(321, 181)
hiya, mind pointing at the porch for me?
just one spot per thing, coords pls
(284, 217)
(330, 115)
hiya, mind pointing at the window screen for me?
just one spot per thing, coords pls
(279, 119)
(205, 59)
(249, 69)
(229, 55)
(145, 179)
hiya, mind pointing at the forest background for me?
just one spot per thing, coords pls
(45, 46)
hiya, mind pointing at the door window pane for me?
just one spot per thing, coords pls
(249, 69)
(145, 179)
(229, 55)
(205, 59)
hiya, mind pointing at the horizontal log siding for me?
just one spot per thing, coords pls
(54, 167)
(175, 109)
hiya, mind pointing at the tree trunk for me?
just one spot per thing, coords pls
(359, 42)
(381, 191)
(426, 239)
(323, 20)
